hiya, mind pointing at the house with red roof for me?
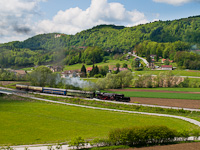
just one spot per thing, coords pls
(19, 72)
(89, 69)
(120, 69)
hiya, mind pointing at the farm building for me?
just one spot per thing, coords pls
(166, 67)
(71, 73)
(153, 56)
(56, 68)
(89, 69)
(120, 69)
(19, 72)
(163, 60)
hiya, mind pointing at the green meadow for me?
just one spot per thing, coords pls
(169, 89)
(30, 122)
(107, 63)
(175, 72)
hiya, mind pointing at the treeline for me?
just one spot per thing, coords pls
(113, 81)
(187, 60)
(164, 50)
(6, 75)
(163, 80)
(89, 56)
(177, 51)
(23, 57)
(44, 77)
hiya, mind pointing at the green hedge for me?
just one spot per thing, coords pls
(142, 135)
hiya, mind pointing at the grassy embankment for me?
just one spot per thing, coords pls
(28, 122)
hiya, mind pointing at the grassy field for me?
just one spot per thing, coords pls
(176, 72)
(170, 89)
(159, 95)
(29, 122)
(108, 63)
(91, 79)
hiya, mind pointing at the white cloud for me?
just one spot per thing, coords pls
(16, 18)
(74, 20)
(176, 2)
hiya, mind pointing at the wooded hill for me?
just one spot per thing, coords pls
(117, 39)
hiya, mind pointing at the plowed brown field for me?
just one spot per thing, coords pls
(184, 146)
(195, 104)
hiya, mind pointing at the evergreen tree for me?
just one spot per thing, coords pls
(83, 71)
(92, 71)
(149, 58)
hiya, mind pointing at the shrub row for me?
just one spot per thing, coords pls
(142, 135)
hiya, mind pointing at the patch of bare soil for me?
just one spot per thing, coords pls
(184, 146)
(159, 91)
(195, 104)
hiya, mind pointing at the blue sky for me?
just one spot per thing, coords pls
(21, 19)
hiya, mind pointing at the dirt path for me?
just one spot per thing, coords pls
(195, 104)
(184, 146)
(159, 91)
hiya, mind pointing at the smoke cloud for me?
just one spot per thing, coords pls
(77, 82)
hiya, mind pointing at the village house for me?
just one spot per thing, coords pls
(134, 52)
(56, 68)
(19, 72)
(153, 56)
(120, 69)
(57, 36)
(152, 65)
(166, 67)
(163, 60)
(89, 69)
(71, 73)
(128, 57)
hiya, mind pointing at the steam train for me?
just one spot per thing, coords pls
(74, 93)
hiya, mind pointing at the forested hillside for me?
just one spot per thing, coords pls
(47, 48)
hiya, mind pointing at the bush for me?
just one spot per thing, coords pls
(77, 142)
(98, 76)
(142, 135)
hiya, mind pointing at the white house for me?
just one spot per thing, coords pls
(166, 67)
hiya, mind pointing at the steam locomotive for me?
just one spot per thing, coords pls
(74, 93)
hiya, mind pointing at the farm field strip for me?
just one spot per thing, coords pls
(117, 110)
(158, 95)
